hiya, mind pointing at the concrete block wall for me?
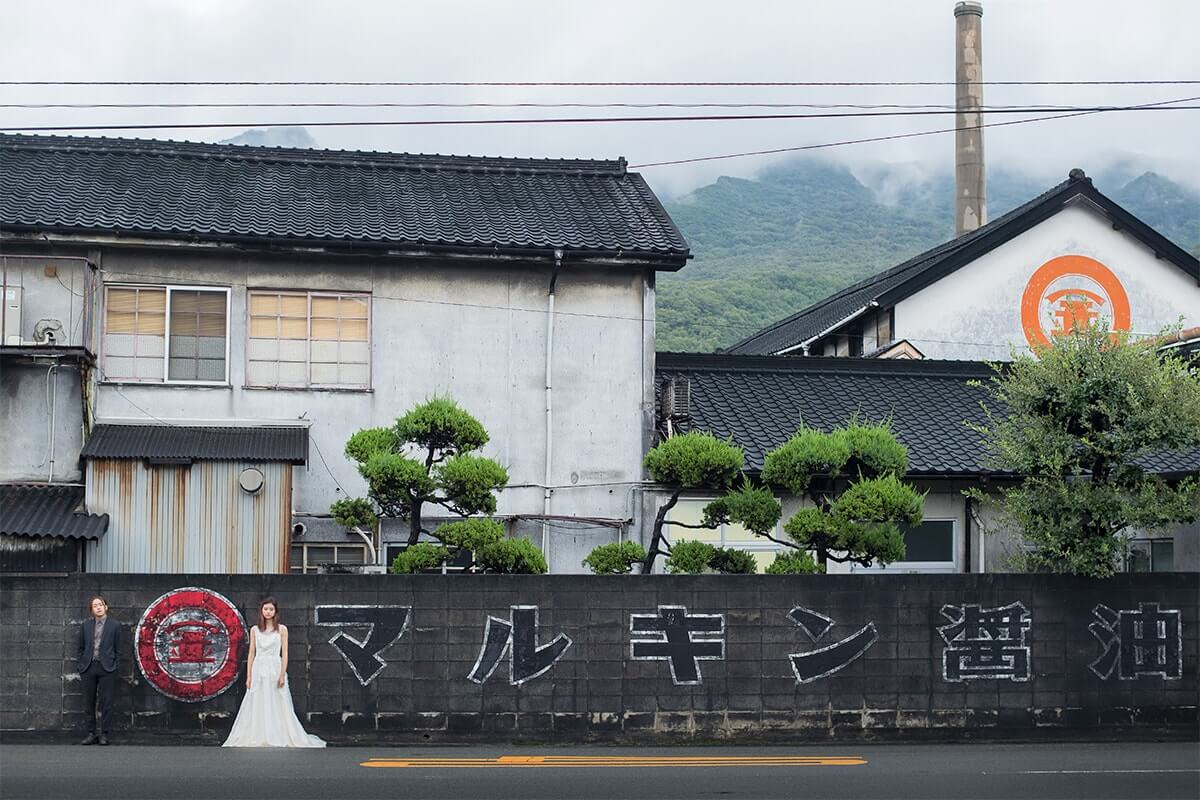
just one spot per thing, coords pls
(597, 691)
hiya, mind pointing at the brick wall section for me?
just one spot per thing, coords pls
(596, 691)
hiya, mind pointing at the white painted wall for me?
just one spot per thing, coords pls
(975, 312)
(474, 332)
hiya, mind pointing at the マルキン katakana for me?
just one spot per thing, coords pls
(673, 628)
(824, 661)
(518, 634)
(384, 625)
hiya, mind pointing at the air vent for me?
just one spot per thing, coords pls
(677, 399)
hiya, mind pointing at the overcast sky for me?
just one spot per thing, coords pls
(614, 40)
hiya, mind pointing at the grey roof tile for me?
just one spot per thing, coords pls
(48, 510)
(198, 443)
(760, 401)
(150, 188)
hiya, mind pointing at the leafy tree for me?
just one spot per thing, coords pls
(731, 561)
(794, 562)
(690, 557)
(698, 461)
(1080, 425)
(852, 477)
(615, 558)
(428, 458)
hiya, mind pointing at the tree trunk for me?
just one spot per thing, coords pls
(653, 551)
(414, 523)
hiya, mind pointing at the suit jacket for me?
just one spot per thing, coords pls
(110, 645)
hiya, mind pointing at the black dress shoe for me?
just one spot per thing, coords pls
(91, 739)
(103, 739)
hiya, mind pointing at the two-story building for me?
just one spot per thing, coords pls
(223, 318)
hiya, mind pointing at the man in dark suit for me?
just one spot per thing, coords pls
(98, 659)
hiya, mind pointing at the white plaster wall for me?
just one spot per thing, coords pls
(975, 312)
(474, 332)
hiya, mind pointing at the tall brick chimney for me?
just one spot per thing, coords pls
(970, 184)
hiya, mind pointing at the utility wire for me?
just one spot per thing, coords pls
(887, 138)
(298, 104)
(1161, 106)
(604, 83)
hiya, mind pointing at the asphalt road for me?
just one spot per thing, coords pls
(930, 771)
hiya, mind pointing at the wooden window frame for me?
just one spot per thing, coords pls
(166, 357)
(309, 294)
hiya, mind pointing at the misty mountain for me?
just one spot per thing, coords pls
(283, 136)
(767, 247)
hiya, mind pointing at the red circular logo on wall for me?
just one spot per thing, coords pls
(188, 643)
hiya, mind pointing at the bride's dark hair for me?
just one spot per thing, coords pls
(262, 621)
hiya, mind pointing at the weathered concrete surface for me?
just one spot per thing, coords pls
(597, 691)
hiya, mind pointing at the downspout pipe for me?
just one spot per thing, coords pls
(549, 459)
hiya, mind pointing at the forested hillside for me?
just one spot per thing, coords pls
(767, 247)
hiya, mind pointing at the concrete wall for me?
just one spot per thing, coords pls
(28, 386)
(895, 680)
(474, 331)
(975, 312)
(27, 392)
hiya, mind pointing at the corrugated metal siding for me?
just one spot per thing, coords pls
(189, 518)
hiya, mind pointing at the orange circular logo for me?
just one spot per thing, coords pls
(1068, 293)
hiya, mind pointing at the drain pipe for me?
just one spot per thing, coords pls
(549, 460)
(52, 400)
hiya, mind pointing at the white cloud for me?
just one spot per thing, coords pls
(628, 40)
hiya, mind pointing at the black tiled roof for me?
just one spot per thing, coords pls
(189, 443)
(209, 191)
(47, 510)
(906, 279)
(760, 401)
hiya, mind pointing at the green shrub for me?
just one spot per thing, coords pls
(809, 453)
(470, 534)
(755, 509)
(795, 562)
(615, 558)
(511, 557)
(421, 556)
(733, 562)
(690, 558)
(353, 512)
(696, 460)
(441, 424)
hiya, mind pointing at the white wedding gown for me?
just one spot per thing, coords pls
(267, 717)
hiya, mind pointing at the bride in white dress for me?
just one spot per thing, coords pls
(267, 717)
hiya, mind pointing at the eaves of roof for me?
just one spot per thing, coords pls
(346, 201)
(48, 510)
(887, 288)
(186, 443)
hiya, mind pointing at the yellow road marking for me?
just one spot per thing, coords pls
(617, 761)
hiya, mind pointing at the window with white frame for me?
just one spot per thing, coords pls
(308, 339)
(929, 547)
(166, 334)
(690, 511)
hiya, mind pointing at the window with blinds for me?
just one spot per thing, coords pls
(156, 334)
(309, 339)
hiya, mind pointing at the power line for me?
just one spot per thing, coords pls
(844, 142)
(588, 120)
(496, 84)
(301, 104)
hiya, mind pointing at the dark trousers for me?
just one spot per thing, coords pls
(98, 682)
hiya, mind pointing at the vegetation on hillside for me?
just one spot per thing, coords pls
(768, 247)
